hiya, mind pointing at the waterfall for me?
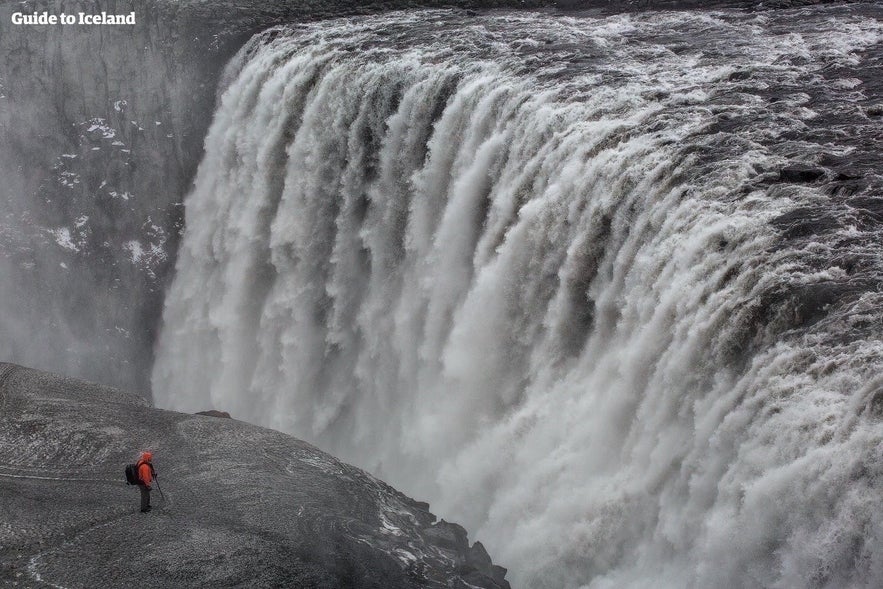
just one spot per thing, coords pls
(536, 269)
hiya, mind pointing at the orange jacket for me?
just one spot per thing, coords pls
(145, 471)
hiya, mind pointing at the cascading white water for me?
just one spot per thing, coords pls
(520, 265)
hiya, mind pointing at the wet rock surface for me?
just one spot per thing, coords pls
(240, 505)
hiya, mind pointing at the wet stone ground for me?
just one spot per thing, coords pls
(241, 507)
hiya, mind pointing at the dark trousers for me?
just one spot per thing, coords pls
(145, 497)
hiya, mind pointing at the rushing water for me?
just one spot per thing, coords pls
(546, 272)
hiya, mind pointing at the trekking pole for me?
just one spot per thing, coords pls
(158, 488)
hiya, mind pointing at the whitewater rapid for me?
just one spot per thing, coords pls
(533, 269)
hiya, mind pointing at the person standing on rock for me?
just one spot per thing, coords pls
(146, 474)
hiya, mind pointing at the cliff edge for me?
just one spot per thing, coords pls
(241, 505)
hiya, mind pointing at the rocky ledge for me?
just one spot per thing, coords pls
(240, 506)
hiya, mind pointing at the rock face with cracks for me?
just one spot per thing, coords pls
(240, 506)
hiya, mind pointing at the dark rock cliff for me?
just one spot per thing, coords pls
(101, 129)
(240, 505)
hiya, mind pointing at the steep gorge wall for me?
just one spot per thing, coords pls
(100, 130)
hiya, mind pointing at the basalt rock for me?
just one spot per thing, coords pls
(239, 505)
(214, 413)
(800, 173)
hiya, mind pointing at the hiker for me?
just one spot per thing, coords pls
(146, 475)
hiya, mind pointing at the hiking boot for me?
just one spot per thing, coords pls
(146, 509)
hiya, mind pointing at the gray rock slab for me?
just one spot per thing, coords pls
(241, 506)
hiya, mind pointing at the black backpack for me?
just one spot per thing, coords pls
(132, 473)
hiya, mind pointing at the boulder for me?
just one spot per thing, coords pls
(214, 413)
